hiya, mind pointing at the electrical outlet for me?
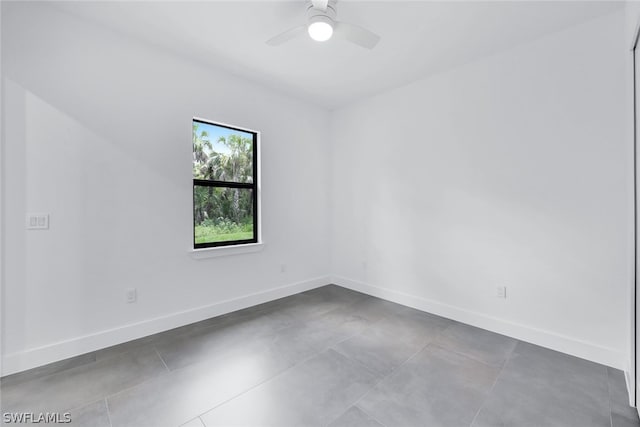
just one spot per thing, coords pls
(283, 268)
(131, 295)
(37, 221)
(501, 291)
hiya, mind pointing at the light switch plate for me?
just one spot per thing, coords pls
(37, 221)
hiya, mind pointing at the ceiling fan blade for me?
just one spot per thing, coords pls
(356, 34)
(287, 35)
(320, 4)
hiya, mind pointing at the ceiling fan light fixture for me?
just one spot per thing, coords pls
(322, 24)
(320, 28)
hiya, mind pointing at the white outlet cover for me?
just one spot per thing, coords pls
(501, 291)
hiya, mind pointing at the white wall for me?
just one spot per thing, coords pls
(98, 135)
(513, 170)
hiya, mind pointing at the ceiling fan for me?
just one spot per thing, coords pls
(322, 25)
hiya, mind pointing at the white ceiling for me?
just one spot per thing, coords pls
(418, 38)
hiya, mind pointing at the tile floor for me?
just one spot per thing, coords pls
(327, 357)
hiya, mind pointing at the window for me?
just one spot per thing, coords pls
(225, 189)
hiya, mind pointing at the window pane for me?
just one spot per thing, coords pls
(222, 154)
(222, 214)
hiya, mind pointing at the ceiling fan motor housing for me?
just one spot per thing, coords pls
(319, 15)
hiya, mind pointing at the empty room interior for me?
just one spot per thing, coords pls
(319, 213)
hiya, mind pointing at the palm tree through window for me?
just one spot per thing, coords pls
(225, 208)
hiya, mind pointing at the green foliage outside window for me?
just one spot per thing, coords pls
(222, 213)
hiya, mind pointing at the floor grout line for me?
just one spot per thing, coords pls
(472, 357)
(152, 378)
(155, 377)
(355, 405)
(161, 359)
(300, 362)
(29, 375)
(316, 353)
(106, 403)
(246, 391)
(324, 349)
(18, 382)
(256, 385)
(105, 397)
(610, 403)
(98, 399)
(484, 402)
(382, 378)
(365, 329)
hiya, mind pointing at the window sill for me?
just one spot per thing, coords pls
(225, 251)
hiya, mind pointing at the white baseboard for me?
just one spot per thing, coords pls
(585, 350)
(34, 357)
